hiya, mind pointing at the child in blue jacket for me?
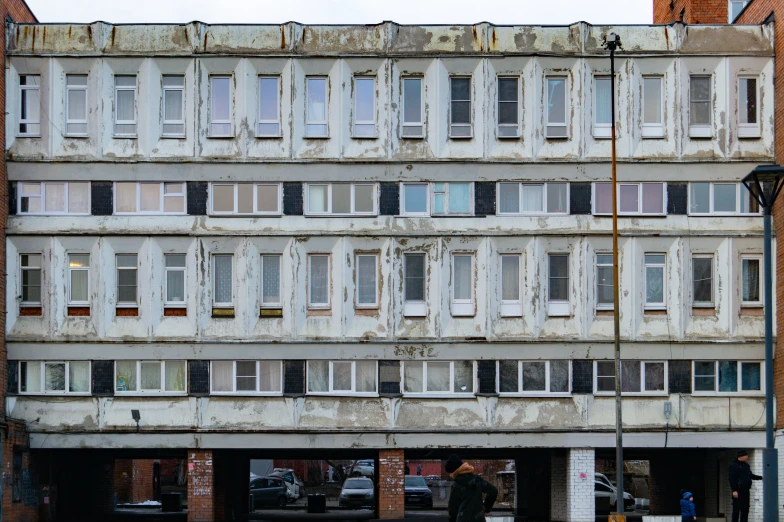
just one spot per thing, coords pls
(688, 510)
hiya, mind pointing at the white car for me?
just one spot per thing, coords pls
(606, 496)
(291, 480)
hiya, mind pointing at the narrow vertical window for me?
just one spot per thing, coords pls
(269, 106)
(79, 279)
(175, 279)
(31, 279)
(415, 199)
(751, 294)
(29, 105)
(604, 282)
(316, 122)
(558, 291)
(125, 106)
(556, 107)
(173, 106)
(76, 105)
(700, 107)
(652, 107)
(655, 282)
(223, 283)
(602, 107)
(367, 281)
(736, 6)
(702, 277)
(270, 281)
(220, 106)
(414, 285)
(460, 107)
(462, 284)
(127, 280)
(508, 107)
(748, 108)
(413, 119)
(364, 107)
(511, 298)
(318, 281)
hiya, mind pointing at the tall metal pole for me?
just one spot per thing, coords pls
(770, 504)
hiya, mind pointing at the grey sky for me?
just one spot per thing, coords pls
(525, 12)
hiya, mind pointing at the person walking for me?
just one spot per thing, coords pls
(465, 498)
(419, 470)
(740, 484)
(688, 509)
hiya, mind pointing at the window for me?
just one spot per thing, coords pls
(462, 284)
(652, 107)
(367, 281)
(245, 198)
(633, 199)
(270, 281)
(79, 279)
(61, 377)
(453, 198)
(460, 107)
(558, 291)
(556, 107)
(342, 377)
(174, 266)
(748, 108)
(637, 377)
(415, 200)
(508, 107)
(438, 377)
(751, 289)
(413, 118)
(31, 279)
(269, 107)
(534, 377)
(414, 285)
(316, 125)
(727, 377)
(173, 106)
(532, 198)
(29, 105)
(364, 107)
(721, 199)
(76, 105)
(149, 198)
(223, 282)
(511, 298)
(341, 199)
(150, 377)
(318, 281)
(604, 282)
(246, 377)
(602, 107)
(50, 197)
(127, 272)
(220, 106)
(736, 6)
(700, 107)
(125, 106)
(655, 286)
(702, 274)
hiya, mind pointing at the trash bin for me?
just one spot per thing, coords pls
(171, 502)
(317, 504)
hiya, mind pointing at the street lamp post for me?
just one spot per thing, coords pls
(764, 183)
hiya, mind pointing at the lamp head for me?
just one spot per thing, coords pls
(764, 183)
(136, 416)
(612, 42)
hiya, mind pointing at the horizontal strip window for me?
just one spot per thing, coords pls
(438, 199)
(515, 199)
(149, 198)
(54, 197)
(246, 199)
(721, 199)
(150, 377)
(54, 377)
(637, 377)
(341, 199)
(534, 377)
(728, 378)
(246, 377)
(633, 199)
(343, 378)
(439, 378)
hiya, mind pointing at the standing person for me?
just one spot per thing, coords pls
(465, 499)
(419, 469)
(740, 483)
(688, 509)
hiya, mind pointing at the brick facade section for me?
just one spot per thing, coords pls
(133, 480)
(691, 11)
(391, 484)
(580, 499)
(201, 492)
(558, 486)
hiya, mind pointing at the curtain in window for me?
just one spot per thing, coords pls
(173, 105)
(629, 198)
(79, 376)
(79, 285)
(54, 376)
(222, 376)
(559, 376)
(175, 285)
(78, 197)
(462, 278)
(175, 375)
(126, 197)
(603, 197)
(319, 279)
(534, 376)
(223, 281)
(556, 197)
(459, 198)
(464, 377)
(654, 284)
(126, 375)
(751, 280)
(366, 279)
(77, 104)
(317, 99)
(413, 375)
(653, 198)
(341, 198)
(438, 376)
(603, 101)
(728, 376)
(366, 376)
(508, 377)
(318, 376)
(317, 198)
(509, 197)
(269, 376)
(532, 198)
(150, 197)
(270, 283)
(267, 198)
(510, 278)
(55, 197)
(151, 376)
(341, 376)
(31, 377)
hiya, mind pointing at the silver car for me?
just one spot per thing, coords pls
(357, 493)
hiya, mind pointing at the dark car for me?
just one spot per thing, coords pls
(268, 491)
(357, 492)
(417, 493)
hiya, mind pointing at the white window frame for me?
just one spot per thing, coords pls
(559, 308)
(311, 304)
(701, 130)
(134, 122)
(740, 191)
(639, 211)
(26, 121)
(166, 270)
(80, 121)
(643, 391)
(522, 212)
(653, 130)
(42, 196)
(403, 200)
(663, 266)
(324, 122)
(547, 123)
(163, 390)
(22, 270)
(69, 282)
(596, 265)
(375, 303)
(601, 130)
(421, 122)
(117, 268)
(279, 303)
(42, 379)
(353, 200)
(538, 393)
(162, 196)
(437, 394)
(235, 211)
(716, 383)
(516, 125)
(712, 302)
(276, 121)
(330, 380)
(514, 307)
(234, 390)
(214, 121)
(415, 308)
(447, 211)
(753, 304)
(364, 122)
(463, 307)
(215, 302)
(749, 130)
(164, 121)
(470, 101)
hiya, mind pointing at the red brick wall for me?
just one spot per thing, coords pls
(200, 486)
(391, 484)
(694, 11)
(16, 511)
(133, 480)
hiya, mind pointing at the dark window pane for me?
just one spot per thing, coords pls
(630, 376)
(728, 376)
(559, 376)
(461, 112)
(751, 377)
(534, 376)
(461, 88)
(508, 375)
(654, 377)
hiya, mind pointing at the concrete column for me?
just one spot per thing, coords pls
(779, 443)
(391, 484)
(558, 486)
(712, 486)
(755, 507)
(200, 486)
(580, 499)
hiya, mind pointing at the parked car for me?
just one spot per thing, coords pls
(269, 491)
(357, 492)
(606, 496)
(364, 468)
(417, 493)
(291, 480)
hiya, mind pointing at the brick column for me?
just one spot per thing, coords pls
(580, 499)
(558, 486)
(755, 463)
(391, 484)
(200, 486)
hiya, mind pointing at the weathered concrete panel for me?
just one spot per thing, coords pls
(149, 39)
(526, 39)
(330, 39)
(438, 39)
(727, 39)
(245, 39)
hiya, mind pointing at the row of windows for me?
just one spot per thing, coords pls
(415, 281)
(418, 378)
(364, 114)
(417, 199)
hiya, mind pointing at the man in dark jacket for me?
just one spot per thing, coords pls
(740, 483)
(465, 499)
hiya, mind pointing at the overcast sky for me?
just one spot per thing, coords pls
(523, 12)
